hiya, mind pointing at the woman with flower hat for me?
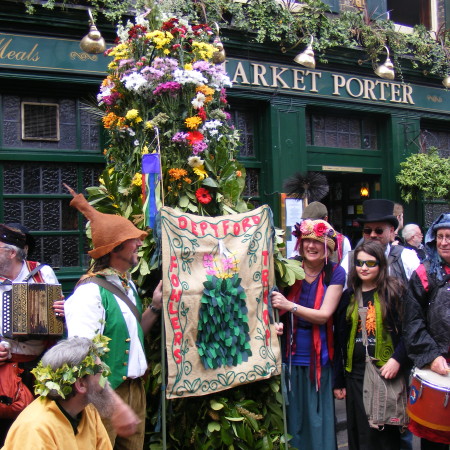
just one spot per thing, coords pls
(378, 294)
(309, 338)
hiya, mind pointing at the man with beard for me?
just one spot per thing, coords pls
(15, 243)
(74, 392)
(106, 301)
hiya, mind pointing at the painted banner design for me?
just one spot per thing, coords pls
(217, 277)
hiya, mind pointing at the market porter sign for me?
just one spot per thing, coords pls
(38, 53)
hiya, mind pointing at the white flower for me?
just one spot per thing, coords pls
(136, 143)
(131, 132)
(199, 100)
(189, 76)
(134, 82)
(195, 161)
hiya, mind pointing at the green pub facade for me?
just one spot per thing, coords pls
(339, 119)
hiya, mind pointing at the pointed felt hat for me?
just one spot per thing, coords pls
(108, 230)
(378, 210)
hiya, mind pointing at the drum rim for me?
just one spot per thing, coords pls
(430, 384)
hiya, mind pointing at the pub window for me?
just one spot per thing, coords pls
(410, 13)
(326, 130)
(244, 120)
(40, 121)
(405, 14)
(33, 195)
(439, 139)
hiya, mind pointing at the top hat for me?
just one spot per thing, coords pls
(378, 210)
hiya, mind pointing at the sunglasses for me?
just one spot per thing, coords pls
(378, 231)
(360, 263)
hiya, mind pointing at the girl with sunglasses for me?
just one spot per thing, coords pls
(369, 281)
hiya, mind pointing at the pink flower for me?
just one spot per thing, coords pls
(320, 228)
(208, 260)
(227, 263)
(306, 227)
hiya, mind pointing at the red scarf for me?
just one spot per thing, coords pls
(315, 369)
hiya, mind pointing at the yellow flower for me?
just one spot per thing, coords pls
(200, 172)
(101, 181)
(188, 67)
(132, 114)
(148, 125)
(111, 170)
(144, 150)
(193, 122)
(137, 179)
(203, 50)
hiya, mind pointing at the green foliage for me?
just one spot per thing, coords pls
(425, 175)
(291, 25)
(248, 418)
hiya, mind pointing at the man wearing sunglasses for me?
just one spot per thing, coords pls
(379, 224)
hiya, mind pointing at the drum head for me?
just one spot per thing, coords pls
(427, 376)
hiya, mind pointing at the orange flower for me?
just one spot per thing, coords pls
(177, 174)
(187, 180)
(238, 173)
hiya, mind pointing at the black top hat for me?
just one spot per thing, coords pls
(378, 210)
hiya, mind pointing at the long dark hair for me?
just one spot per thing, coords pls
(389, 288)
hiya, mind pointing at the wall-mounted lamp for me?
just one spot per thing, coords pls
(386, 70)
(446, 82)
(306, 58)
(219, 55)
(93, 42)
(364, 191)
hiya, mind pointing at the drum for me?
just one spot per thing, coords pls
(429, 399)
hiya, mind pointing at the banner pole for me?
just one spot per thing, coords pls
(163, 383)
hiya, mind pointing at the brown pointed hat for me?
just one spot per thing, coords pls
(108, 230)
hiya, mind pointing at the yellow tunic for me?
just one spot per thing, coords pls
(42, 426)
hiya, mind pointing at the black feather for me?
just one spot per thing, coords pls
(312, 185)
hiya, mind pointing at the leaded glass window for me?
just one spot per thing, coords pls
(326, 130)
(244, 120)
(34, 195)
(436, 138)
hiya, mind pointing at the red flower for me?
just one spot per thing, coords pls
(320, 228)
(203, 196)
(194, 136)
(201, 113)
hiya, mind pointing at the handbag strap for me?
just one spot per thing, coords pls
(115, 291)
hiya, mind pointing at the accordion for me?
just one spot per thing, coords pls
(27, 310)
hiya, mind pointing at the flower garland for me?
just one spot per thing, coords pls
(59, 382)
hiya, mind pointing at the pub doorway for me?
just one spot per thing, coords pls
(345, 198)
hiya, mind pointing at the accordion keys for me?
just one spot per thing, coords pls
(28, 310)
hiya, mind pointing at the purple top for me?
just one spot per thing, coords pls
(302, 356)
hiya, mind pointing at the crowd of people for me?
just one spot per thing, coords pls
(386, 301)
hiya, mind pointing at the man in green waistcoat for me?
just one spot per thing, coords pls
(106, 301)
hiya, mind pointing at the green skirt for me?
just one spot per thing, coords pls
(310, 413)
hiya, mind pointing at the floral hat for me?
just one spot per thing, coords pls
(318, 230)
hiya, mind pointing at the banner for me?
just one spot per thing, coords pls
(217, 277)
